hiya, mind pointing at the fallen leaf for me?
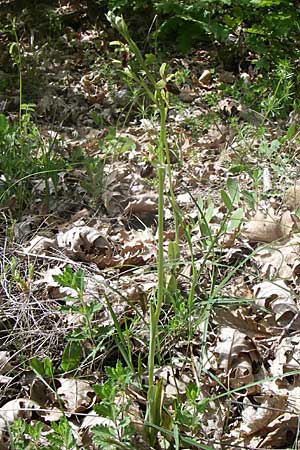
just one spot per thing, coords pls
(256, 416)
(291, 198)
(263, 227)
(76, 395)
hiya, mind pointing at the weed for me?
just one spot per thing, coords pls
(113, 406)
(24, 435)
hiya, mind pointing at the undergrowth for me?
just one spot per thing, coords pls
(189, 286)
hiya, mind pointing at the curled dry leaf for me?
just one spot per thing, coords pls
(281, 432)
(81, 242)
(143, 204)
(287, 357)
(40, 245)
(205, 78)
(77, 395)
(20, 407)
(264, 227)
(237, 321)
(237, 356)
(257, 416)
(117, 181)
(291, 198)
(280, 259)
(241, 372)
(276, 296)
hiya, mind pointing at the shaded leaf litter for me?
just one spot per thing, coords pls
(229, 325)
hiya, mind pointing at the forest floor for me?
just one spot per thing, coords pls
(79, 192)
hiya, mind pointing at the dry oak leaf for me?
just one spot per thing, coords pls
(281, 432)
(237, 321)
(257, 416)
(264, 227)
(40, 245)
(291, 198)
(77, 395)
(82, 241)
(237, 355)
(287, 357)
(277, 297)
(280, 260)
(143, 204)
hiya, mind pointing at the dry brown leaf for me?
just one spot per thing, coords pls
(236, 320)
(277, 297)
(77, 395)
(257, 416)
(291, 198)
(287, 357)
(281, 432)
(20, 407)
(227, 77)
(279, 259)
(52, 415)
(241, 373)
(236, 354)
(264, 227)
(205, 78)
(40, 245)
(80, 242)
(143, 204)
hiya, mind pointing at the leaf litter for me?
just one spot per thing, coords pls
(240, 348)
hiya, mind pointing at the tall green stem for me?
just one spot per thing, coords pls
(155, 309)
(158, 95)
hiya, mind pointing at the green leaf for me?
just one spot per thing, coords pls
(173, 252)
(192, 391)
(161, 84)
(250, 198)
(235, 219)
(226, 199)
(233, 189)
(106, 391)
(68, 278)
(209, 212)
(48, 367)
(162, 70)
(104, 409)
(104, 437)
(202, 405)
(204, 228)
(71, 356)
(291, 131)
(4, 126)
(155, 401)
(38, 367)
